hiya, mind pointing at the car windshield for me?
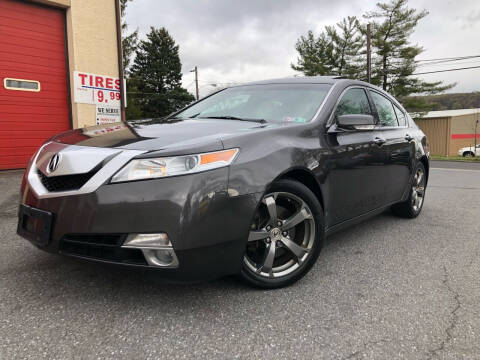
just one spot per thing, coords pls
(273, 103)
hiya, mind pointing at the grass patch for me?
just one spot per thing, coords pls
(455, 158)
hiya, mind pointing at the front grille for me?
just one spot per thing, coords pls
(105, 247)
(65, 182)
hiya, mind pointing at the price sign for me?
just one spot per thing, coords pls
(96, 89)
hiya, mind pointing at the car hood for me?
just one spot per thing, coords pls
(158, 134)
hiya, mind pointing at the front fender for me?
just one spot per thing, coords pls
(260, 162)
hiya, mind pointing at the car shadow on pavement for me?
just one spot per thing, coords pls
(61, 277)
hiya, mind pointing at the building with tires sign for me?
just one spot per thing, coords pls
(59, 70)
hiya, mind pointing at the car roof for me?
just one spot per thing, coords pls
(306, 80)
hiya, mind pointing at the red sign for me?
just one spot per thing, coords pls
(96, 89)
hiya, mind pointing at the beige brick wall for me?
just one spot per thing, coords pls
(464, 124)
(436, 130)
(92, 45)
(92, 39)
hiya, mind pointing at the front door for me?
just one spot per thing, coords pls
(354, 164)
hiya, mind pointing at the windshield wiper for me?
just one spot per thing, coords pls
(261, 121)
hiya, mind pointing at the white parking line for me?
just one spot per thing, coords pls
(449, 169)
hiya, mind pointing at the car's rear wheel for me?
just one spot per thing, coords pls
(285, 237)
(468, 154)
(412, 207)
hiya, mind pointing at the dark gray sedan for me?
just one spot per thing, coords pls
(247, 181)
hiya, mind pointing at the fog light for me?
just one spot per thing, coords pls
(157, 248)
(161, 257)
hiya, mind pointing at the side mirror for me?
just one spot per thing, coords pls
(356, 121)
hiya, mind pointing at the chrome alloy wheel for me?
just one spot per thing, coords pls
(281, 236)
(418, 190)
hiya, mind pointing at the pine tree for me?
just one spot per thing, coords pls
(314, 55)
(157, 74)
(130, 41)
(393, 55)
(129, 45)
(336, 51)
(348, 48)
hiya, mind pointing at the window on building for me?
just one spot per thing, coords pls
(22, 85)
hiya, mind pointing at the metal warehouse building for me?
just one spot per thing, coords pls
(450, 130)
(59, 69)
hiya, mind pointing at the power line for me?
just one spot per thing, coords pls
(190, 84)
(450, 63)
(439, 71)
(450, 58)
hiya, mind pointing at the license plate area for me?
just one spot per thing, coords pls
(34, 224)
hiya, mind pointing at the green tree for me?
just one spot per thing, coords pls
(133, 110)
(348, 48)
(340, 50)
(336, 51)
(130, 41)
(129, 45)
(157, 74)
(314, 55)
(393, 56)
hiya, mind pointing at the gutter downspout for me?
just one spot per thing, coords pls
(121, 74)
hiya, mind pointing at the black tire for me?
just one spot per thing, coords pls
(468, 154)
(308, 236)
(411, 208)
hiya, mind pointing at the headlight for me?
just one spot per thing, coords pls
(153, 168)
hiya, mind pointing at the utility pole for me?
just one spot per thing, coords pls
(195, 70)
(475, 135)
(369, 55)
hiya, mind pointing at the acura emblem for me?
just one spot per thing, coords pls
(53, 163)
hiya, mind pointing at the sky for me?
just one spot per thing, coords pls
(239, 41)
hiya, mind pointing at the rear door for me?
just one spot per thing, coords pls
(396, 148)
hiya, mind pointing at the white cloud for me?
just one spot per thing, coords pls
(239, 41)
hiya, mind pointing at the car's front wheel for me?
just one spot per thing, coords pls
(468, 154)
(285, 237)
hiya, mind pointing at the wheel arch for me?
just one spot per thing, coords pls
(426, 165)
(305, 177)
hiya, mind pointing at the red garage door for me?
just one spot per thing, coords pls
(33, 80)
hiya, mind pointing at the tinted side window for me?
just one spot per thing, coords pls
(354, 101)
(386, 114)
(402, 120)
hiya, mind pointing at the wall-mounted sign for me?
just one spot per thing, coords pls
(107, 114)
(96, 89)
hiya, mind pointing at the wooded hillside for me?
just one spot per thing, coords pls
(451, 101)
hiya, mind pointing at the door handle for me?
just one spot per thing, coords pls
(379, 141)
(408, 137)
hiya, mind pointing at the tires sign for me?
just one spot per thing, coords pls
(96, 89)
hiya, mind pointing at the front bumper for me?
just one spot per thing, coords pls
(207, 227)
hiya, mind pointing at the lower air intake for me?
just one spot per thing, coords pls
(106, 247)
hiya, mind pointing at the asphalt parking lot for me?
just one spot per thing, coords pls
(389, 288)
